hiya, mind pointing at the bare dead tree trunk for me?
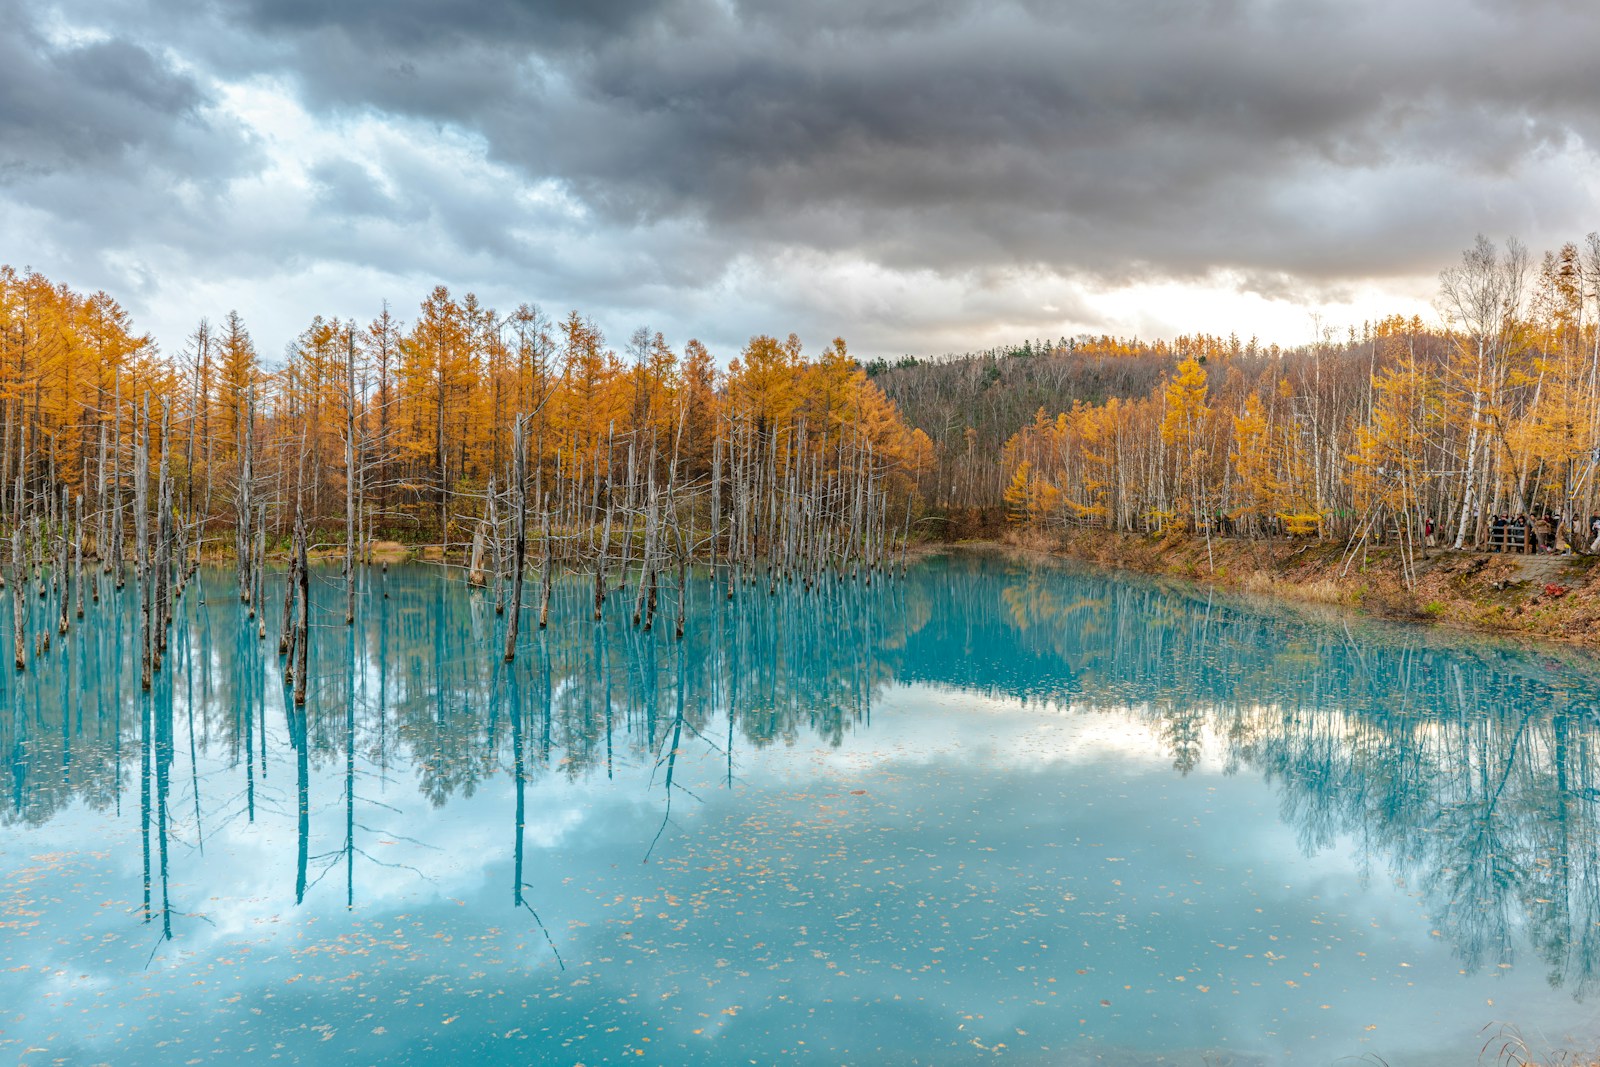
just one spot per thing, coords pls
(546, 577)
(260, 573)
(497, 548)
(141, 520)
(100, 511)
(350, 482)
(649, 542)
(163, 600)
(63, 585)
(303, 614)
(716, 501)
(118, 549)
(519, 500)
(475, 575)
(244, 501)
(19, 591)
(77, 556)
(683, 584)
(286, 630)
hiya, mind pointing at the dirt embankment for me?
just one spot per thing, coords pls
(1548, 596)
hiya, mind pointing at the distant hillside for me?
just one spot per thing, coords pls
(971, 403)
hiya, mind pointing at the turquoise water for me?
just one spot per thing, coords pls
(992, 810)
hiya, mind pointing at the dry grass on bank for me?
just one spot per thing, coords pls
(390, 552)
(1318, 591)
(1505, 1046)
(1547, 596)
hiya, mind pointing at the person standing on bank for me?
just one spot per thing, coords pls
(1541, 533)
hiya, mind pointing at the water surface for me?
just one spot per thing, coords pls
(995, 809)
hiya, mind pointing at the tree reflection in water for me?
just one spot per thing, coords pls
(1465, 767)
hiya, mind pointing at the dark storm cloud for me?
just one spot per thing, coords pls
(1109, 138)
(95, 104)
(450, 62)
(421, 25)
(348, 190)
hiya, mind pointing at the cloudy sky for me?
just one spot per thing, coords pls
(917, 175)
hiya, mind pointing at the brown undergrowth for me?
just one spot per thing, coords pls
(1506, 1047)
(1547, 596)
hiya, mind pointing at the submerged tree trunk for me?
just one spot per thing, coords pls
(519, 552)
(141, 493)
(19, 597)
(302, 615)
(546, 575)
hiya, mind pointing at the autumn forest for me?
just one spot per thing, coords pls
(463, 425)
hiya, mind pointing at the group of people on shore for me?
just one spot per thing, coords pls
(1544, 532)
(1518, 533)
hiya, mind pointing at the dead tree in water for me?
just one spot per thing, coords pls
(63, 575)
(302, 615)
(546, 573)
(286, 630)
(350, 477)
(519, 550)
(141, 511)
(77, 556)
(497, 549)
(161, 604)
(243, 498)
(258, 570)
(649, 544)
(118, 548)
(38, 554)
(287, 642)
(716, 502)
(475, 575)
(683, 585)
(605, 537)
(19, 592)
(100, 511)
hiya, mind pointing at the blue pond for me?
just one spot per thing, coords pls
(996, 809)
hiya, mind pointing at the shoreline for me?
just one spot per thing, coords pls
(1546, 597)
(1550, 598)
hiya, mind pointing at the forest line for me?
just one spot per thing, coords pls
(460, 424)
(1397, 431)
(431, 408)
(516, 443)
